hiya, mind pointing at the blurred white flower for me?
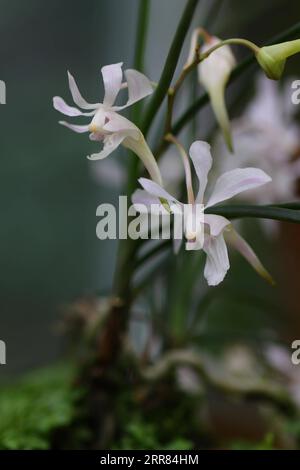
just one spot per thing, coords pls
(109, 173)
(215, 227)
(189, 381)
(279, 359)
(266, 136)
(107, 125)
(112, 173)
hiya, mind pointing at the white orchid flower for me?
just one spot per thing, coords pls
(216, 227)
(107, 125)
(213, 74)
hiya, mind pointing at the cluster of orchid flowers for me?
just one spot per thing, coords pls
(215, 62)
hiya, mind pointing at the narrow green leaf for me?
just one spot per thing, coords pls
(170, 65)
(261, 212)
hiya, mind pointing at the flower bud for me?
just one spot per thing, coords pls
(272, 58)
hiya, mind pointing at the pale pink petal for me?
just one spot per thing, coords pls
(202, 161)
(217, 262)
(60, 105)
(235, 182)
(117, 123)
(112, 79)
(156, 190)
(96, 136)
(75, 127)
(216, 223)
(240, 244)
(110, 143)
(140, 196)
(139, 86)
(77, 97)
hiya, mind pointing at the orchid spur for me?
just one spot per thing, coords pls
(107, 125)
(215, 64)
(214, 73)
(216, 228)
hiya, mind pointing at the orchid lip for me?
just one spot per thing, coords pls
(94, 129)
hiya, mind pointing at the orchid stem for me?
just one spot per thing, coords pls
(111, 334)
(186, 165)
(244, 42)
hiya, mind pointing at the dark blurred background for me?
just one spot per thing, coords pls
(49, 250)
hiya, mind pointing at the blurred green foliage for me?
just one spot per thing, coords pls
(32, 409)
(266, 444)
(140, 434)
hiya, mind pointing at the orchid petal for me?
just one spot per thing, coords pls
(117, 123)
(75, 127)
(139, 86)
(151, 203)
(217, 262)
(217, 223)
(110, 142)
(156, 190)
(202, 161)
(240, 244)
(60, 105)
(235, 182)
(77, 97)
(96, 136)
(112, 79)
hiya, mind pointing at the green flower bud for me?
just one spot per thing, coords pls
(272, 58)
